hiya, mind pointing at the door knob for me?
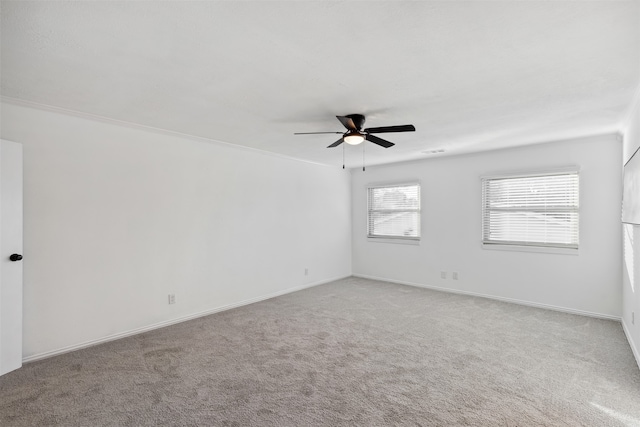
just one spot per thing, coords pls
(15, 257)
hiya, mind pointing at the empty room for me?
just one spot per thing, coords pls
(320, 213)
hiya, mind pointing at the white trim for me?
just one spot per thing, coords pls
(395, 240)
(566, 170)
(159, 325)
(136, 126)
(494, 297)
(388, 184)
(634, 350)
(530, 248)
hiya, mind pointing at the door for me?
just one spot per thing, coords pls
(10, 256)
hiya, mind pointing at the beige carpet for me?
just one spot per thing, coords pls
(353, 352)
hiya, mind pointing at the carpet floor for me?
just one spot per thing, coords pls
(353, 352)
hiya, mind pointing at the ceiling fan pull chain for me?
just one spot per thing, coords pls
(363, 157)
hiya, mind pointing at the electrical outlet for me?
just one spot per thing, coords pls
(172, 298)
(306, 271)
(443, 274)
(454, 275)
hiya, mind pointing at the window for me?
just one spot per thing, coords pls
(628, 254)
(534, 210)
(394, 212)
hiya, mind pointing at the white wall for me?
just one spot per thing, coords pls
(451, 234)
(116, 218)
(631, 294)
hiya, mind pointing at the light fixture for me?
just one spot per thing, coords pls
(354, 138)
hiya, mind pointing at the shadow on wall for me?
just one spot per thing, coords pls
(628, 253)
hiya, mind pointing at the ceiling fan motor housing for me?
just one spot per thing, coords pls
(358, 120)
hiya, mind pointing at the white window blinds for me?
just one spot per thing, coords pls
(394, 211)
(537, 210)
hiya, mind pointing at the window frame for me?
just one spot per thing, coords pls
(530, 246)
(411, 240)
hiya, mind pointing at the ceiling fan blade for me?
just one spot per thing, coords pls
(386, 129)
(335, 144)
(381, 142)
(313, 133)
(347, 122)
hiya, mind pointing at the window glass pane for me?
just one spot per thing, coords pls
(399, 224)
(534, 210)
(404, 197)
(394, 211)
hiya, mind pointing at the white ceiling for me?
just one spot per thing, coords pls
(470, 75)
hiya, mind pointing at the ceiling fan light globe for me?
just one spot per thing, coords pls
(354, 139)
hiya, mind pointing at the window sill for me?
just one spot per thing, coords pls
(397, 241)
(537, 249)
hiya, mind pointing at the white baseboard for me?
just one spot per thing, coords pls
(634, 349)
(494, 297)
(158, 325)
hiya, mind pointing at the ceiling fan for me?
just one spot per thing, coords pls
(356, 135)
